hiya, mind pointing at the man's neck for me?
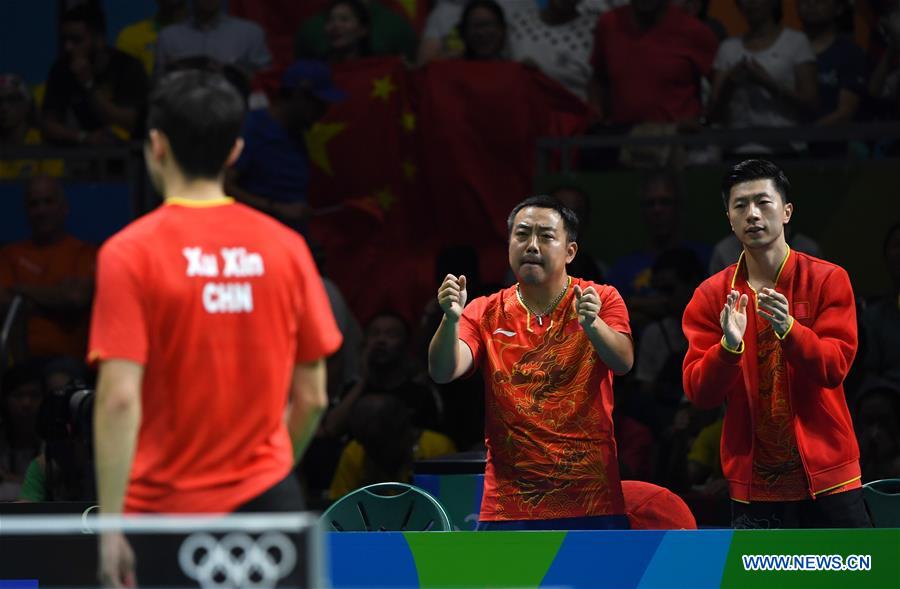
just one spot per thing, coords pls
(196, 190)
(763, 264)
(539, 296)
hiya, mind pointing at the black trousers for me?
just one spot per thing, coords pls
(841, 510)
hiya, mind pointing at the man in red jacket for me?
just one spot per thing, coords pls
(788, 447)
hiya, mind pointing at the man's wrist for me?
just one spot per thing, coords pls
(734, 349)
(787, 330)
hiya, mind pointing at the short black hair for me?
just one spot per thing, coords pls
(756, 169)
(88, 13)
(201, 114)
(543, 201)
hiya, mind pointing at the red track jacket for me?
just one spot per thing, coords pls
(818, 351)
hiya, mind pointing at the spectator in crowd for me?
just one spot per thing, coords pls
(884, 84)
(881, 319)
(557, 40)
(441, 39)
(95, 93)
(840, 65)
(53, 271)
(878, 432)
(347, 25)
(661, 348)
(767, 78)
(577, 200)
(648, 60)
(660, 195)
(388, 32)
(384, 446)
(139, 39)
(18, 128)
(462, 400)
(700, 10)
(272, 174)
(677, 437)
(483, 30)
(387, 368)
(213, 34)
(64, 470)
(727, 251)
(20, 401)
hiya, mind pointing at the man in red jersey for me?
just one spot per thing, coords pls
(549, 347)
(788, 448)
(210, 326)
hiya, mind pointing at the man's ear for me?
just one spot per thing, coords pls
(571, 250)
(788, 211)
(158, 145)
(236, 150)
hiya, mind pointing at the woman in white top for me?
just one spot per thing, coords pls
(767, 78)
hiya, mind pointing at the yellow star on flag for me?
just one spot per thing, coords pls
(385, 198)
(409, 6)
(409, 122)
(409, 170)
(383, 88)
(317, 139)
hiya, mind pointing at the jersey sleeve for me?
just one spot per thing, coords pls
(613, 311)
(119, 318)
(469, 331)
(318, 335)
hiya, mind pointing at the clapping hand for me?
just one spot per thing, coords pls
(773, 307)
(733, 319)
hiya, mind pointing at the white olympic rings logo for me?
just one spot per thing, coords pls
(237, 560)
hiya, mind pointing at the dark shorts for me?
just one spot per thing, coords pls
(841, 510)
(155, 555)
(598, 522)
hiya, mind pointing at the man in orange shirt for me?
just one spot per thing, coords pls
(549, 347)
(211, 325)
(52, 271)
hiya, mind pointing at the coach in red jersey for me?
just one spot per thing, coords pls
(549, 347)
(788, 448)
(210, 326)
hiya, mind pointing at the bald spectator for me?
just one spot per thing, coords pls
(53, 271)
